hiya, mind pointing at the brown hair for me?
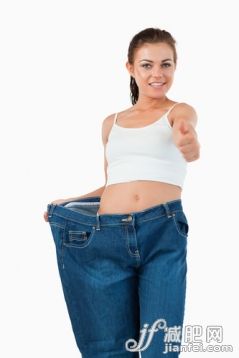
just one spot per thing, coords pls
(149, 35)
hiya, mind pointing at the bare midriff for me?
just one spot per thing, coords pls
(136, 196)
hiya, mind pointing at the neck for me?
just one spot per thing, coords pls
(147, 103)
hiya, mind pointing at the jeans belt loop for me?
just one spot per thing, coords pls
(50, 209)
(97, 221)
(167, 209)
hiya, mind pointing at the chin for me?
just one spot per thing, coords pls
(159, 96)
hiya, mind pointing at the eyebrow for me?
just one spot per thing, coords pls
(167, 59)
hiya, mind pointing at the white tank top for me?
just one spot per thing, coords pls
(144, 153)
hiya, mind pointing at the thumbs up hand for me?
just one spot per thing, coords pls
(183, 127)
(185, 138)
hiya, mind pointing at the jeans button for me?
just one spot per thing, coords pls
(129, 218)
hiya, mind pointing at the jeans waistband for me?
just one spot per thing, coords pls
(61, 210)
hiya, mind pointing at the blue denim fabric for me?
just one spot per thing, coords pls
(120, 273)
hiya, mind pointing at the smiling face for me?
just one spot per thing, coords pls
(153, 69)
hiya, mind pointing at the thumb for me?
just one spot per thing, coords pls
(183, 127)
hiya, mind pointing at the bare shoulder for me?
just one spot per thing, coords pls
(110, 119)
(183, 110)
(106, 127)
(108, 123)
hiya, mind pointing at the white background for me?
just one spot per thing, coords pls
(62, 72)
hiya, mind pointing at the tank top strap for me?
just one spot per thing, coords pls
(172, 108)
(116, 114)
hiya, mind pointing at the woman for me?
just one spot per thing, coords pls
(121, 249)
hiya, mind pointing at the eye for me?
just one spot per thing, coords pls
(166, 64)
(145, 65)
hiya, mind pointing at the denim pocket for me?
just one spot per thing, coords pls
(181, 223)
(78, 237)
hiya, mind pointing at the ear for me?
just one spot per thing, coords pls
(130, 68)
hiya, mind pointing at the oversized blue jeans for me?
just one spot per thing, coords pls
(122, 274)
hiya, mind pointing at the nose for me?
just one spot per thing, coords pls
(157, 72)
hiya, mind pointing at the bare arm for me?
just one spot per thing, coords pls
(104, 134)
(184, 132)
(107, 123)
(97, 192)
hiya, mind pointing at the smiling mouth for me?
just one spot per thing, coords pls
(157, 84)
